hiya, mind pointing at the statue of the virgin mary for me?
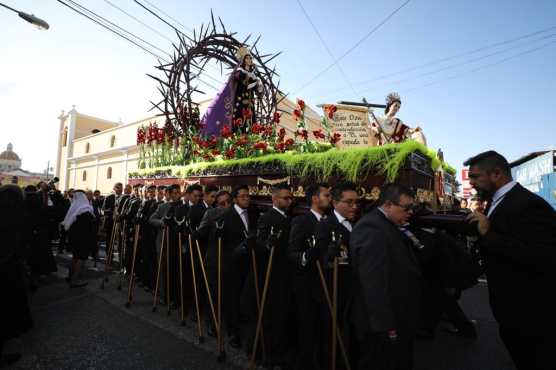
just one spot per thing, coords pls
(234, 105)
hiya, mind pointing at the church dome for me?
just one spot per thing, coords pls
(9, 154)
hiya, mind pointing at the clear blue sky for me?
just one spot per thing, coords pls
(508, 106)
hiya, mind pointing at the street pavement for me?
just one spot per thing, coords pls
(90, 328)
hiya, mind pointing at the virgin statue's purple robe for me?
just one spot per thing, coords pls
(220, 111)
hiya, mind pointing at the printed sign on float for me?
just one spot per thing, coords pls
(353, 124)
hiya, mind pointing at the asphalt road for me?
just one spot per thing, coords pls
(90, 328)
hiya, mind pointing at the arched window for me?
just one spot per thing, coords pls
(109, 173)
(65, 137)
(87, 147)
(112, 141)
(84, 177)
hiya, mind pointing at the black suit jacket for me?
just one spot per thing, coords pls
(196, 214)
(519, 253)
(387, 279)
(325, 229)
(234, 232)
(303, 229)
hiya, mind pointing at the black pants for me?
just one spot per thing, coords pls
(529, 352)
(309, 304)
(377, 354)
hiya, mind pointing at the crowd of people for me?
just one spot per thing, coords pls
(336, 284)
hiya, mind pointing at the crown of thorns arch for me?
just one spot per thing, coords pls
(183, 76)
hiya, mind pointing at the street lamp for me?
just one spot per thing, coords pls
(42, 25)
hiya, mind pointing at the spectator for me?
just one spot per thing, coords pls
(15, 317)
(80, 225)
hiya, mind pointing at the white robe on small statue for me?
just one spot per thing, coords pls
(393, 130)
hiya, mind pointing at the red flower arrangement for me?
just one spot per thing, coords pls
(152, 132)
(160, 136)
(301, 104)
(297, 114)
(257, 128)
(238, 122)
(280, 147)
(226, 132)
(260, 145)
(141, 136)
(213, 141)
(318, 134)
(242, 140)
(276, 118)
(281, 134)
(302, 133)
(246, 113)
(335, 138)
(289, 142)
(230, 153)
(330, 110)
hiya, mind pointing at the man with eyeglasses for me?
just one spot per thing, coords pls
(387, 309)
(273, 230)
(332, 240)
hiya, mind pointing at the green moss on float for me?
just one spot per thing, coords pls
(352, 164)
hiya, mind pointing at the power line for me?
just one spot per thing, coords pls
(326, 47)
(157, 32)
(168, 24)
(351, 49)
(469, 61)
(111, 29)
(118, 27)
(169, 16)
(139, 21)
(454, 56)
(525, 52)
(161, 19)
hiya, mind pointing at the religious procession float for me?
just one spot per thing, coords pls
(253, 134)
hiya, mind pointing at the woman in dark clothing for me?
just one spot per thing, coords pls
(15, 317)
(80, 225)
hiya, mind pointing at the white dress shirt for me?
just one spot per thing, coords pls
(499, 195)
(317, 215)
(344, 221)
(243, 215)
(279, 211)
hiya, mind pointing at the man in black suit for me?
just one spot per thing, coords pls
(108, 209)
(129, 214)
(196, 212)
(162, 217)
(239, 224)
(147, 250)
(273, 230)
(332, 240)
(518, 245)
(387, 284)
(307, 288)
(198, 209)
